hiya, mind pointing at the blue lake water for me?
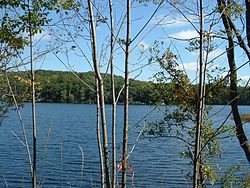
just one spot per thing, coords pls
(67, 127)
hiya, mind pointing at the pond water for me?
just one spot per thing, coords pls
(62, 129)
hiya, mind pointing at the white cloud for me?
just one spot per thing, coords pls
(244, 78)
(45, 35)
(188, 66)
(193, 66)
(177, 21)
(185, 35)
(144, 45)
(216, 54)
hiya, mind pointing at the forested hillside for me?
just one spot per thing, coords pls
(65, 87)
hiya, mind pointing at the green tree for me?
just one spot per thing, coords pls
(22, 17)
(180, 118)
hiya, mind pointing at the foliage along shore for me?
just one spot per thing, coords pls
(65, 87)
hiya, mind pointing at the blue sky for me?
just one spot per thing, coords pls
(172, 28)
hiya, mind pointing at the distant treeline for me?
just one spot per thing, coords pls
(223, 97)
(65, 87)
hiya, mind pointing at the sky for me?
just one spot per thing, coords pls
(167, 25)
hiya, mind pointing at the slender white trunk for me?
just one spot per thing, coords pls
(101, 94)
(113, 94)
(125, 129)
(23, 128)
(98, 133)
(200, 106)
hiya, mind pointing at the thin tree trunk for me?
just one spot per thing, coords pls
(33, 92)
(125, 130)
(98, 133)
(113, 94)
(248, 21)
(101, 94)
(23, 128)
(233, 82)
(239, 37)
(200, 106)
(234, 97)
